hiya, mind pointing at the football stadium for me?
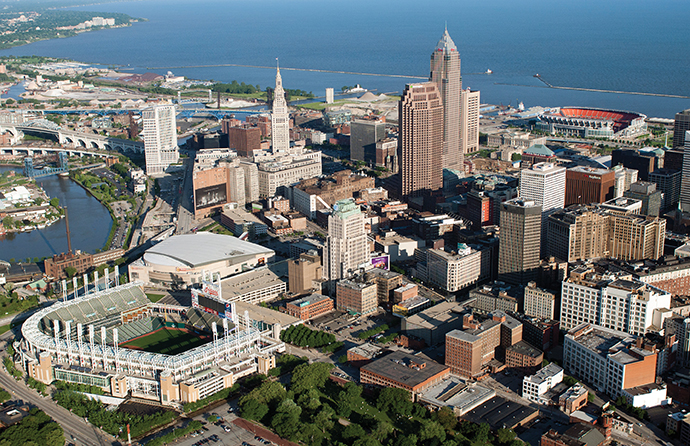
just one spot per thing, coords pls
(119, 340)
(592, 123)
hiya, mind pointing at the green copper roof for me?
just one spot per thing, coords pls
(539, 149)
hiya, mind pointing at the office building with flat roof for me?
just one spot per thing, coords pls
(160, 138)
(681, 125)
(544, 183)
(364, 134)
(535, 386)
(586, 185)
(414, 373)
(356, 297)
(623, 304)
(539, 302)
(608, 360)
(520, 241)
(346, 245)
(469, 121)
(309, 307)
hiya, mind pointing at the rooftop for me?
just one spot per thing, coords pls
(601, 340)
(413, 302)
(366, 350)
(266, 315)
(499, 413)
(437, 315)
(524, 348)
(312, 299)
(406, 369)
(236, 286)
(456, 394)
(203, 248)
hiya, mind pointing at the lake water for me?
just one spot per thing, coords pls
(633, 45)
(89, 223)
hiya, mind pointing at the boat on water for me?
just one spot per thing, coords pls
(63, 174)
(489, 71)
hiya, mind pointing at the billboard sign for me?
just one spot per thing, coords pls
(381, 262)
(210, 196)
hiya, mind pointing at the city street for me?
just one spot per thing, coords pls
(77, 430)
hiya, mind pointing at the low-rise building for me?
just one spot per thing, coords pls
(524, 357)
(258, 285)
(386, 281)
(414, 373)
(535, 386)
(495, 296)
(459, 396)
(309, 307)
(457, 270)
(361, 355)
(573, 399)
(432, 324)
(411, 306)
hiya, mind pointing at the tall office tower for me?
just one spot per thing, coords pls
(518, 250)
(280, 126)
(421, 140)
(364, 134)
(445, 73)
(681, 125)
(346, 245)
(544, 183)
(586, 185)
(685, 180)
(668, 182)
(160, 138)
(469, 122)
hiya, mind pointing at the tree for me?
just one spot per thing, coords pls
(432, 430)
(505, 436)
(254, 410)
(71, 271)
(353, 432)
(407, 440)
(286, 420)
(324, 418)
(309, 400)
(446, 417)
(310, 376)
(394, 400)
(590, 397)
(382, 431)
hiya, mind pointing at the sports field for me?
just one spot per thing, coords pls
(167, 341)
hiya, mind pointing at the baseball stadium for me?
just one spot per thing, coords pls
(119, 340)
(592, 123)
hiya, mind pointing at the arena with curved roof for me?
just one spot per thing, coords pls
(592, 122)
(89, 340)
(182, 259)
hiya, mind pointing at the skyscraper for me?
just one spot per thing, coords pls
(280, 126)
(685, 180)
(421, 140)
(518, 250)
(469, 122)
(364, 134)
(160, 138)
(544, 183)
(681, 125)
(445, 73)
(346, 245)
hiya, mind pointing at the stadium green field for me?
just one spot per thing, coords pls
(166, 341)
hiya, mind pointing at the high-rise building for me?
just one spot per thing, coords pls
(681, 125)
(346, 245)
(518, 250)
(614, 229)
(421, 140)
(160, 138)
(586, 185)
(364, 134)
(685, 181)
(280, 119)
(469, 122)
(544, 183)
(357, 297)
(244, 139)
(445, 73)
(644, 162)
(667, 181)
(650, 197)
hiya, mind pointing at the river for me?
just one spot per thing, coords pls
(89, 222)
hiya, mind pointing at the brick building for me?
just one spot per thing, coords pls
(585, 185)
(524, 357)
(357, 297)
(414, 373)
(309, 307)
(305, 273)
